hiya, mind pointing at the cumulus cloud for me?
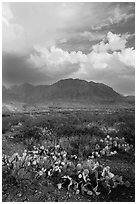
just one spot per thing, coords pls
(127, 56)
(100, 64)
(115, 42)
(45, 65)
(98, 57)
(56, 61)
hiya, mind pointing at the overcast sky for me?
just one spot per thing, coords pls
(46, 42)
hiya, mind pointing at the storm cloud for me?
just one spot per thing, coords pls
(90, 41)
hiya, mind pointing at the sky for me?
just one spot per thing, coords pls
(45, 42)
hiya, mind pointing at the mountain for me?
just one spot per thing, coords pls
(63, 91)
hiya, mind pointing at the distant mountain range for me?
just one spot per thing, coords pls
(64, 91)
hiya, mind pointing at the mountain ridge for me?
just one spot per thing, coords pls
(65, 90)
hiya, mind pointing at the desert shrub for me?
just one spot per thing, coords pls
(7, 122)
(5, 126)
(81, 145)
(29, 136)
(129, 135)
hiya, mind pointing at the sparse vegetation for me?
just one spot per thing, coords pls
(106, 138)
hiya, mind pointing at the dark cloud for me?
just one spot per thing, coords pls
(15, 70)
